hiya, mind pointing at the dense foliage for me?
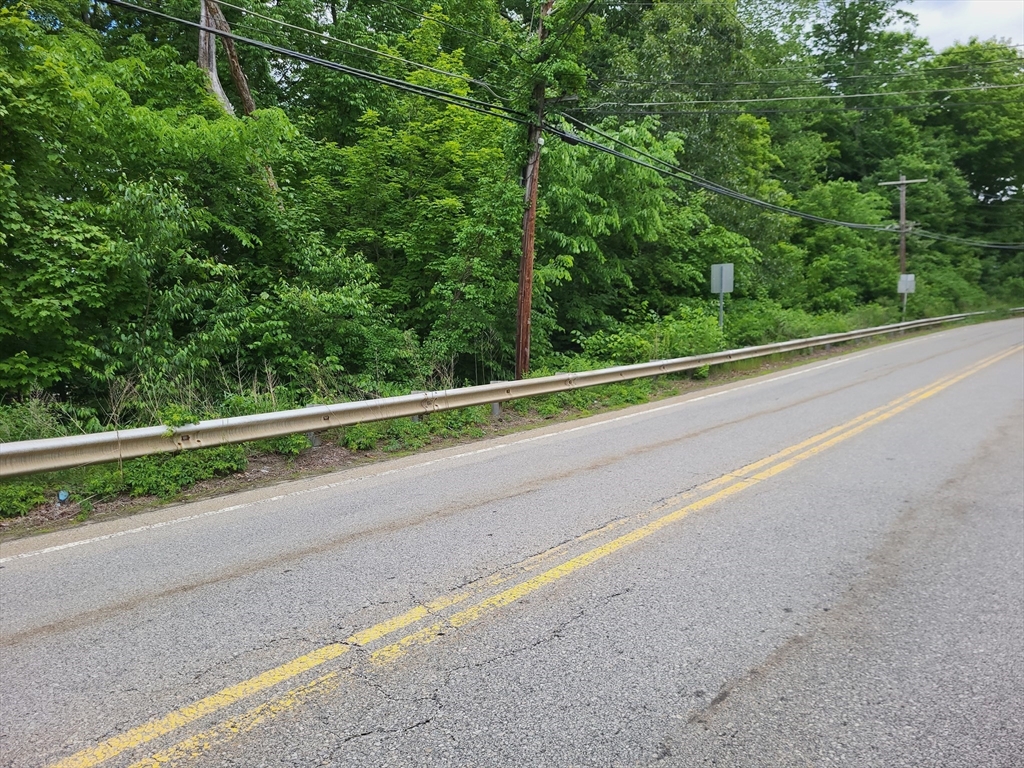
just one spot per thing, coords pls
(161, 259)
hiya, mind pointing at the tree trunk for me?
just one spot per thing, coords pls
(208, 58)
(216, 15)
(218, 21)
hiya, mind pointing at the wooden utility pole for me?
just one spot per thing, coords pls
(535, 140)
(902, 183)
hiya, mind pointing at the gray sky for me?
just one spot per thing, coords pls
(944, 22)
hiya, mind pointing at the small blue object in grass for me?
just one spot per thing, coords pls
(63, 496)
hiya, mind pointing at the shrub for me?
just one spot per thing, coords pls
(166, 474)
(871, 316)
(19, 497)
(39, 416)
(688, 331)
(286, 445)
(766, 322)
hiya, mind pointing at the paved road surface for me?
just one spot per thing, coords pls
(824, 567)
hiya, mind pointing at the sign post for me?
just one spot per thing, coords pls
(904, 286)
(721, 283)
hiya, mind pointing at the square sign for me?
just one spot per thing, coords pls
(721, 278)
(906, 284)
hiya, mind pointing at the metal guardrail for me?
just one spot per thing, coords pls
(31, 456)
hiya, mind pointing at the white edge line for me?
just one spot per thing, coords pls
(453, 457)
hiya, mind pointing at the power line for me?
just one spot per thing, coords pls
(514, 116)
(669, 169)
(448, 24)
(732, 10)
(421, 90)
(795, 65)
(368, 50)
(961, 241)
(254, 26)
(820, 80)
(805, 110)
(802, 98)
(242, 24)
(860, 62)
(565, 33)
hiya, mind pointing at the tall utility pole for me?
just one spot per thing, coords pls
(902, 183)
(535, 140)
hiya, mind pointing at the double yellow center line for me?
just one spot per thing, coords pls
(707, 494)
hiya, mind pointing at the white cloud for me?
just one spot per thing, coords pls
(945, 22)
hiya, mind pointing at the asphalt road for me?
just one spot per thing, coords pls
(823, 567)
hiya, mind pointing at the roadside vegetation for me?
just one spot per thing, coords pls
(164, 260)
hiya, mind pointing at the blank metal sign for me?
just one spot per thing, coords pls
(721, 278)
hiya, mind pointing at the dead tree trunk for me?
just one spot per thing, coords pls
(208, 58)
(212, 16)
(237, 75)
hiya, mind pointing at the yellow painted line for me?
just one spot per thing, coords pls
(90, 757)
(232, 727)
(899, 408)
(195, 747)
(180, 717)
(745, 471)
(429, 634)
(853, 427)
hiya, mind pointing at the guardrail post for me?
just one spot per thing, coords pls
(312, 437)
(416, 417)
(496, 405)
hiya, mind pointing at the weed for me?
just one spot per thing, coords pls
(19, 497)
(362, 437)
(166, 474)
(286, 445)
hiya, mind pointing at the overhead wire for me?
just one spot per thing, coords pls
(816, 97)
(957, 69)
(448, 24)
(795, 66)
(505, 113)
(565, 33)
(672, 170)
(467, 102)
(709, 28)
(804, 110)
(677, 172)
(918, 58)
(349, 43)
(734, 13)
(963, 241)
(821, 80)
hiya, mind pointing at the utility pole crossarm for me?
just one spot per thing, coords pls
(902, 184)
(901, 181)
